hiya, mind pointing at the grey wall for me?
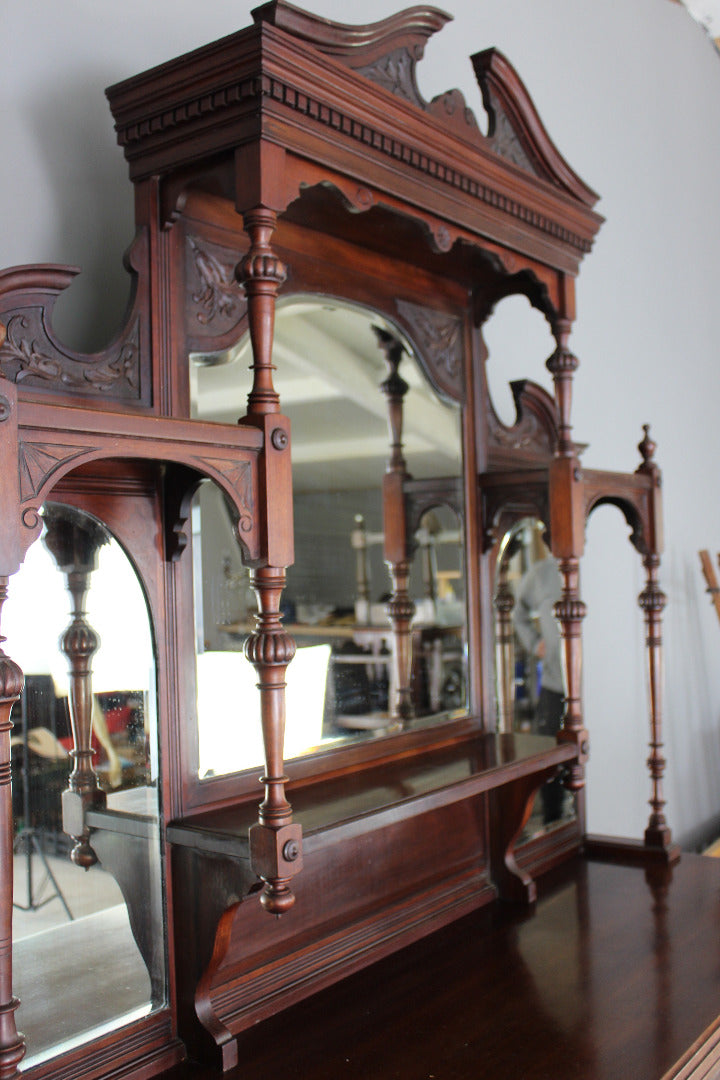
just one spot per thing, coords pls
(631, 95)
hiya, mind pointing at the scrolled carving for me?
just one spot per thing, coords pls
(29, 355)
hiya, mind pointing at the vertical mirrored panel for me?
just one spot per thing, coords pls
(335, 384)
(89, 952)
(530, 679)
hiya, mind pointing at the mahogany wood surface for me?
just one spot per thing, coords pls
(612, 977)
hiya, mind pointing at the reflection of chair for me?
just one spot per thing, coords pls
(39, 775)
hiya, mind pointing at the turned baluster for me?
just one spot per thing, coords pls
(504, 603)
(275, 842)
(652, 601)
(75, 545)
(562, 365)
(12, 1042)
(568, 527)
(570, 612)
(400, 607)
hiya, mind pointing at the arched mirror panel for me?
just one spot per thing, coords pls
(530, 682)
(381, 634)
(88, 927)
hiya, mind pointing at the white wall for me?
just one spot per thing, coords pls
(631, 95)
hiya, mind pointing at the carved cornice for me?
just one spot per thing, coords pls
(144, 132)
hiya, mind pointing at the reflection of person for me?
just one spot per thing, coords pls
(538, 630)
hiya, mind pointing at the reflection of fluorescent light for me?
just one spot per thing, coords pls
(228, 705)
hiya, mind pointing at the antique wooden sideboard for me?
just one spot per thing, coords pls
(293, 173)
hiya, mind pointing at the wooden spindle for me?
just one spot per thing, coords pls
(400, 608)
(12, 1042)
(275, 842)
(504, 603)
(74, 540)
(652, 602)
(562, 365)
(570, 612)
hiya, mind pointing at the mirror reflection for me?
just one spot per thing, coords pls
(59, 910)
(530, 681)
(359, 403)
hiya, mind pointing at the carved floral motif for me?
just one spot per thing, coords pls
(439, 337)
(396, 73)
(215, 293)
(28, 353)
(506, 142)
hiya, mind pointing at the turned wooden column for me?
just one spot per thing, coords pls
(504, 603)
(562, 365)
(567, 515)
(12, 1042)
(397, 546)
(275, 842)
(652, 601)
(74, 541)
(570, 612)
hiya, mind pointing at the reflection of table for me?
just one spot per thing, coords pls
(438, 679)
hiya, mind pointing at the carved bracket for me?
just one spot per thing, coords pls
(59, 440)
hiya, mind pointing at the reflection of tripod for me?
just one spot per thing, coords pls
(27, 837)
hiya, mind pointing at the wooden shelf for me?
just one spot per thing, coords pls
(371, 798)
